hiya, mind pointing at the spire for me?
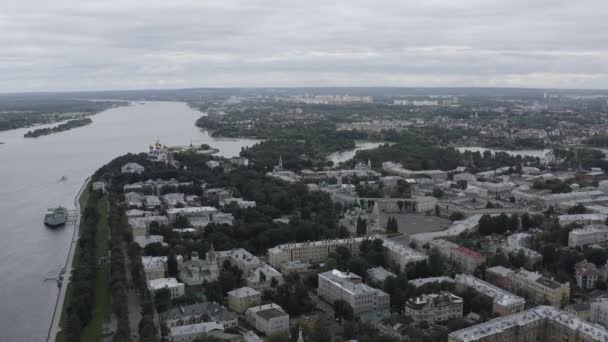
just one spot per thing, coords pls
(300, 337)
(369, 163)
(211, 253)
(280, 161)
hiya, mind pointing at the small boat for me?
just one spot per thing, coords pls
(63, 178)
(56, 217)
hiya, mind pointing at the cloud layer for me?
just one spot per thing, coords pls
(129, 44)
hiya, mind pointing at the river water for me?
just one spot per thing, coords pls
(342, 156)
(30, 170)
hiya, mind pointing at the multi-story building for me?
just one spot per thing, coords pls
(540, 289)
(243, 298)
(587, 274)
(541, 324)
(399, 255)
(176, 289)
(312, 252)
(499, 276)
(336, 285)
(156, 267)
(503, 302)
(589, 235)
(434, 307)
(467, 259)
(268, 318)
(583, 219)
(598, 312)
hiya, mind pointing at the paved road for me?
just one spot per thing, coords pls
(133, 300)
(54, 329)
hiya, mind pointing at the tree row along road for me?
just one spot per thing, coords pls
(54, 328)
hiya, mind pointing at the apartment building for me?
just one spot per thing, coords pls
(337, 285)
(540, 324)
(540, 289)
(587, 274)
(267, 318)
(241, 299)
(434, 307)
(503, 302)
(588, 235)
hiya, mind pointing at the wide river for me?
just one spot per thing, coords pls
(30, 170)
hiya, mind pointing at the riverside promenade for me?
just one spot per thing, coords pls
(54, 328)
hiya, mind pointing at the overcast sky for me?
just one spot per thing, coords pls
(131, 44)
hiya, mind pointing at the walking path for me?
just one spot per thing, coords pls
(54, 329)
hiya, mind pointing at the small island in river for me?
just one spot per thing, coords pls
(60, 128)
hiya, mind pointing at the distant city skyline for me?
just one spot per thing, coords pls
(70, 45)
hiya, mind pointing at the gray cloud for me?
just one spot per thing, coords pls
(127, 44)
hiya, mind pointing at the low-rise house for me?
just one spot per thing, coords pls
(199, 313)
(193, 332)
(132, 168)
(431, 280)
(241, 299)
(378, 275)
(587, 274)
(152, 202)
(99, 186)
(296, 266)
(176, 289)
(217, 194)
(174, 198)
(212, 164)
(133, 197)
(434, 307)
(395, 326)
(268, 318)
(264, 277)
(239, 202)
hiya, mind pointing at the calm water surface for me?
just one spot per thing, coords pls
(29, 174)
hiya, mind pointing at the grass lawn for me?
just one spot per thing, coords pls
(101, 311)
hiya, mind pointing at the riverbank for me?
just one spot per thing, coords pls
(60, 308)
(66, 126)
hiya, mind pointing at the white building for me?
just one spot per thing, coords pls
(132, 168)
(196, 271)
(155, 267)
(176, 288)
(152, 201)
(241, 299)
(268, 318)
(584, 219)
(434, 307)
(312, 251)
(197, 216)
(336, 285)
(588, 235)
(599, 312)
(99, 186)
(193, 332)
(378, 275)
